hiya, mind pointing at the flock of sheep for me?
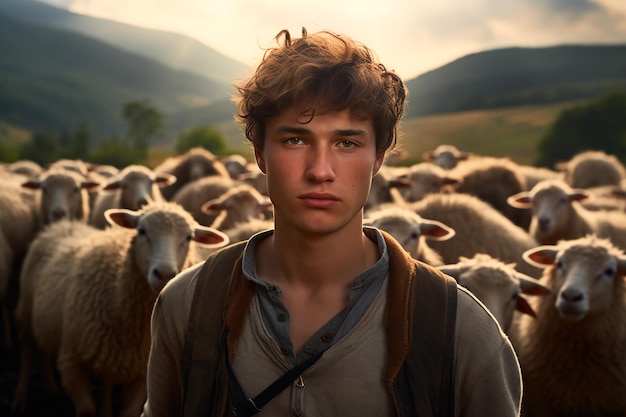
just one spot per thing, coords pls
(84, 251)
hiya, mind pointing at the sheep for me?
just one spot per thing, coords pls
(247, 229)
(235, 164)
(592, 169)
(410, 230)
(496, 284)
(192, 165)
(558, 215)
(573, 355)
(255, 177)
(132, 188)
(87, 295)
(534, 174)
(237, 205)
(493, 180)
(63, 194)
(422, 179)
(446, 156)
(19, 224)
(74, 165)
(194, 195)
(26, 168)
(386, 187)
(479, 228)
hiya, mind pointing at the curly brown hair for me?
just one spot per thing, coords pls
(321, 72)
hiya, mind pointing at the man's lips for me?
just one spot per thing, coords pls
(320, 200)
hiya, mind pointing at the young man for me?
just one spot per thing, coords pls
(396, 337)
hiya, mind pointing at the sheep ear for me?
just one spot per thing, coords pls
(89, 184)
(451, 269)
(428, 155)
(213, 206)
(209, 236)
(113, 185)
(531, 286)
(541, 256)
(579, 195)
(32, 184)
(451, 181)
(523, 306)
(163, 179)
(400, 182)
(122, 217)
(435, 230)
(520, 200)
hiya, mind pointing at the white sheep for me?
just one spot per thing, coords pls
(86, 296)
(422, 179)
(386, 187)
(63, 194)
(446, 156)
(479, 228)
(237, 205)
(589, 169)
(573, 355)
(134, 187)
(192, 165)
(497, 284)
(235, 164)
(558, 215)
(534, 174)
(75, 165)
(410, 230)
(493, 180)
(193, 195)
(245, 230)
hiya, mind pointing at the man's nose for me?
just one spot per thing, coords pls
(320, 165)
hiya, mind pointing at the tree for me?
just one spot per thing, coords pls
(144, 123)
(598, 125)
(203, 136)
(117, 153)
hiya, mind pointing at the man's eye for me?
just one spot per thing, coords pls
(293, 141)
(348, 143)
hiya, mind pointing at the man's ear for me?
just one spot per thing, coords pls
(378, 163)
(260, 161)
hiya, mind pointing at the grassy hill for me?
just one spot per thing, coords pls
(519, 76)
(170, 49)
(53, 80)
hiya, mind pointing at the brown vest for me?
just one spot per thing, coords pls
(420, 321)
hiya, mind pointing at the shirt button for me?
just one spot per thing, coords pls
(327, 337)
(284, 351)
(281, 317)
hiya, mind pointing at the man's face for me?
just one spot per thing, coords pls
(318, 173)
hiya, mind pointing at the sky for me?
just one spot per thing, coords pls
(409, 36)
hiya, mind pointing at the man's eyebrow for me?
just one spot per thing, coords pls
(294, 130)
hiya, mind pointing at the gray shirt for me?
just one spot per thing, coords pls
(276, 317)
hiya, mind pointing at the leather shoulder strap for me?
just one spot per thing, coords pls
(201, 362)
(427, 377)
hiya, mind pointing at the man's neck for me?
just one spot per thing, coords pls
(315, 260)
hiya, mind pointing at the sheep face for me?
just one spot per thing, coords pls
(137, 186)
(63, 195)
(424, 179)
(498, 285)
(552, 204)
(164, 233)
(583, 274)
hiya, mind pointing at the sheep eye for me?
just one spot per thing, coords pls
(515, 296)
(609, 272)
(559, 264)
(141, 231)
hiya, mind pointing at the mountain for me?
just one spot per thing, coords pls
(519, 76)
(170, 49)
(53, 80)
